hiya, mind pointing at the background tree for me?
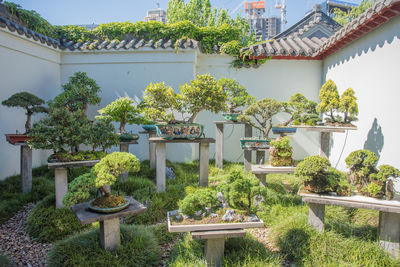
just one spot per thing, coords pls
(348, 105)
(343, 17)
(102, 135)
(259, 115)
(237, 94)
(31, 103)
(330, 101)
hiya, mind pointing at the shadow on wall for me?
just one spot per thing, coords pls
(375, 139)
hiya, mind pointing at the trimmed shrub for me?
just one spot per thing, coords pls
(138, 248)
(139, 188)
(46, 223)
(199, 200)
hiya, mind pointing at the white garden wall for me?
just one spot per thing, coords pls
(25, 65)
(371, 67)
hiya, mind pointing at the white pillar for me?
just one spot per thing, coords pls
(61, 184)
(219, 146)
(160, 168)
(214, 251)
(203, 163)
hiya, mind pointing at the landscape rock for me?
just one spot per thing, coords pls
(214, 215)
(185, 217)
(208, 210)
(229, 216)
(170, 173)
(239, 218)
(198, 213)
(253, 218)
(221, 197)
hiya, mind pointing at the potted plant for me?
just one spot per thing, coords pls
(32, 104)
(302, 112)
(125, 111)
(162, 105)
(237, 97)
(280, 153)
(259, 115)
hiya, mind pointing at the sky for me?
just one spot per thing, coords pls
(62, 12)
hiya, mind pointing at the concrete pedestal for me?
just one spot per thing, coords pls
(61, 183)
(261, 171)
(325, 142)
(260, 157)
(160, 166)
(110, 234)
(203, 163)
(26, 168)
(124, 147)
(248, 132)
(389, 232)
(152, 148)
(316, 216)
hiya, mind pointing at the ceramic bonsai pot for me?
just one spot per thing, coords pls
(231, 116)
(254, 143)
(128, 137)
(17, 138)
(284, 130)
(109, 210)
(179, 131)
(149, 127)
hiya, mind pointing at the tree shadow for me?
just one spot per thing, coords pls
(295, 245)
(375, 139)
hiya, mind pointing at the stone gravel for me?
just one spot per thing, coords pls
(16, 243)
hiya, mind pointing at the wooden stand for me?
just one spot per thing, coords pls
(124, 147)
(109, 222)
(160, 143)
(152, 148)
(389, 215)
(61, 176)
(219, 144)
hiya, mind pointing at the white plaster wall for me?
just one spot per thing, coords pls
(370, 66)
(24, 66)
(278, 79)
(121, 73)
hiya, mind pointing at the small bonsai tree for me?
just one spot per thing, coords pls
(203, 93)
(380, 185)
(261, 112)
(348, 105)
(102, 135)
(330, 101)
(31, 103)
(237, 94)
(199, 200)
(316, 175)
(301, 110)
(123, 110)
(362, 164)
(280, 153)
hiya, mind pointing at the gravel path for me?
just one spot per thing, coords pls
(16, 243)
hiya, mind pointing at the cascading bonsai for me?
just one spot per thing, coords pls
(339, 111)
(237, 97)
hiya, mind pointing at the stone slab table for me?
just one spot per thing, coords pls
(389, 215)
(326, 135)
(61, 176)
(109, 222)
(124, 147)
(260, 171)
(152, 148)
(204, 148)
(219, 144)
(25, 167)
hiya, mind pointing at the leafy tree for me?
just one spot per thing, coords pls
(111, 166)
(280, 153)
(343, 17)
(31, 103)
(348, 105)
(362, 164)
(237, 94)
(123, 110)
(330, 102)
(102, 135)
(302, 110)
(203, 93)
(79, 92)
(261, 112)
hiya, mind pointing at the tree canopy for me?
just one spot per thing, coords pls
(343, 17)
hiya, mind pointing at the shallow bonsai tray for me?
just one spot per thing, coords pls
(359, 202)
(73, 164)
(17, 139)
(327, 129)
(266, 169)
(211, 227)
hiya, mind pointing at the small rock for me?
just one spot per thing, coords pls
(174, 213)
(221, 197)
(253, 218)
(170, 173)
(239, 218)
(214, 215)
(204, 214)
(198, 213)
(208, 210)
(228, 216)
(225, 205)
(185, 217)
(257, 200)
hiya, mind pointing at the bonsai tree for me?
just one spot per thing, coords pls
(199, 200)
(203, 93)
(380, 185)
(361, 164)
(259, 115)
(102, 135)
(316, 175)
(301, 110)
(348, 105)
(280, 153)
(107, 172)
(330, 102)
(31, 103)
(123, 110)
(237, 94)
(81, 189)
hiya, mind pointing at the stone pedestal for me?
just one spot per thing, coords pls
(261, 171)
(325, 142)
(110, 237)
(160, 166)
(152, 148)
(260, 157)
(26, 168)
(248, 132)
(389, 232)
(316, 216)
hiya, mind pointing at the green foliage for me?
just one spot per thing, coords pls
(330, 101)
(203, 93)
(138, 248)
(231, 48)
(198, 200)
(237, 94)
(343, 17)
(348, 105)
(362, 164)
(78, 156)
(31, 103)
(262, 112)
(302, 111)
(140, 188)
(280, 153)
(46, 223)
(111, 166)
(80, 190)
(123, 110)
(5, 261)
(373, 190)
(386, 171)
(102, 135)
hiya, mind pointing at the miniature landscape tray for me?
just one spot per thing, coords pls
(212, 227)
(265, 169)
(360, 202)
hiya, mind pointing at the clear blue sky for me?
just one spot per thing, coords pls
(62, 12)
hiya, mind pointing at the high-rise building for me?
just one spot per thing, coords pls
(273, 26)
(263, 28)
(156, 14)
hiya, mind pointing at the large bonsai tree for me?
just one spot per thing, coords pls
(31, 103)
(330, 101)
(237, 94)
(348, 105)
(123, 110)
(259, 115)
(301, 110)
